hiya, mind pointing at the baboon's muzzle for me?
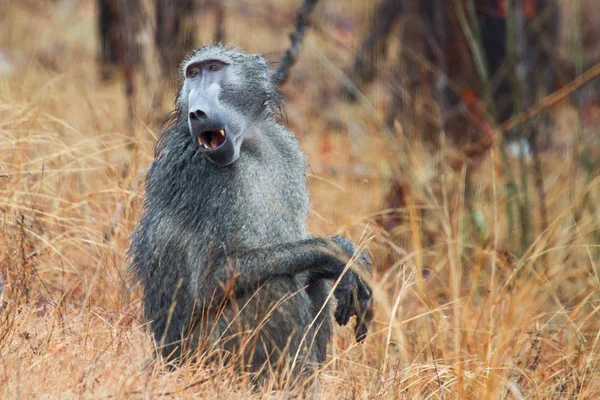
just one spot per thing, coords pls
(212, 138)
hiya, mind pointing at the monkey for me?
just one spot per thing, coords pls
(222, 251)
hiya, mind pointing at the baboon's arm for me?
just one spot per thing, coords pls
(244, 270)
(321, 258)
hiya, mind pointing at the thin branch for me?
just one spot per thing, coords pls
(552, 98)
(291, 55)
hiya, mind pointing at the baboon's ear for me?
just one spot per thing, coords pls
(274, 73)
(260, 59)
(276, 77)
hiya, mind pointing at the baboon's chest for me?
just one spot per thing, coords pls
(258, 200)
(272, 205)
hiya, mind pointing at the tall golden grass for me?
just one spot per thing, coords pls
(460, 313)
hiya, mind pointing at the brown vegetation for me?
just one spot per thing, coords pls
(462, 311)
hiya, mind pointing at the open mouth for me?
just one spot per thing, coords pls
(211, 139)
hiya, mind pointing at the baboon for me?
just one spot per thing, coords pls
(222, 250)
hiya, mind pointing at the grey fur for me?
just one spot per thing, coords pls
(225, 249)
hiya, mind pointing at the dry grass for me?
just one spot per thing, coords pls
(481, 323)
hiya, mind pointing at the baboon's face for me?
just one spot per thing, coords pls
(225, 95)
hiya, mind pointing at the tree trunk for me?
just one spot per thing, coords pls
(175, 33)
(111, 46)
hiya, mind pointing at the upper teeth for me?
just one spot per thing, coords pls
(213, 142)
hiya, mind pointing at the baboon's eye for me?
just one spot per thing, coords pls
(214, 67)
(193, 73)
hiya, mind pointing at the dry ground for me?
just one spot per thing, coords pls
(478, 323)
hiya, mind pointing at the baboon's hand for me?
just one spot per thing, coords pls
(354, 298)
(353, 295)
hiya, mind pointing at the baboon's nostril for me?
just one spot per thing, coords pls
(198, 114)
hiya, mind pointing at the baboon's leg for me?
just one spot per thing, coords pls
(318, 292)
(169, 322)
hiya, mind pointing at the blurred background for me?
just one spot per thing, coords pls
(456, 140)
